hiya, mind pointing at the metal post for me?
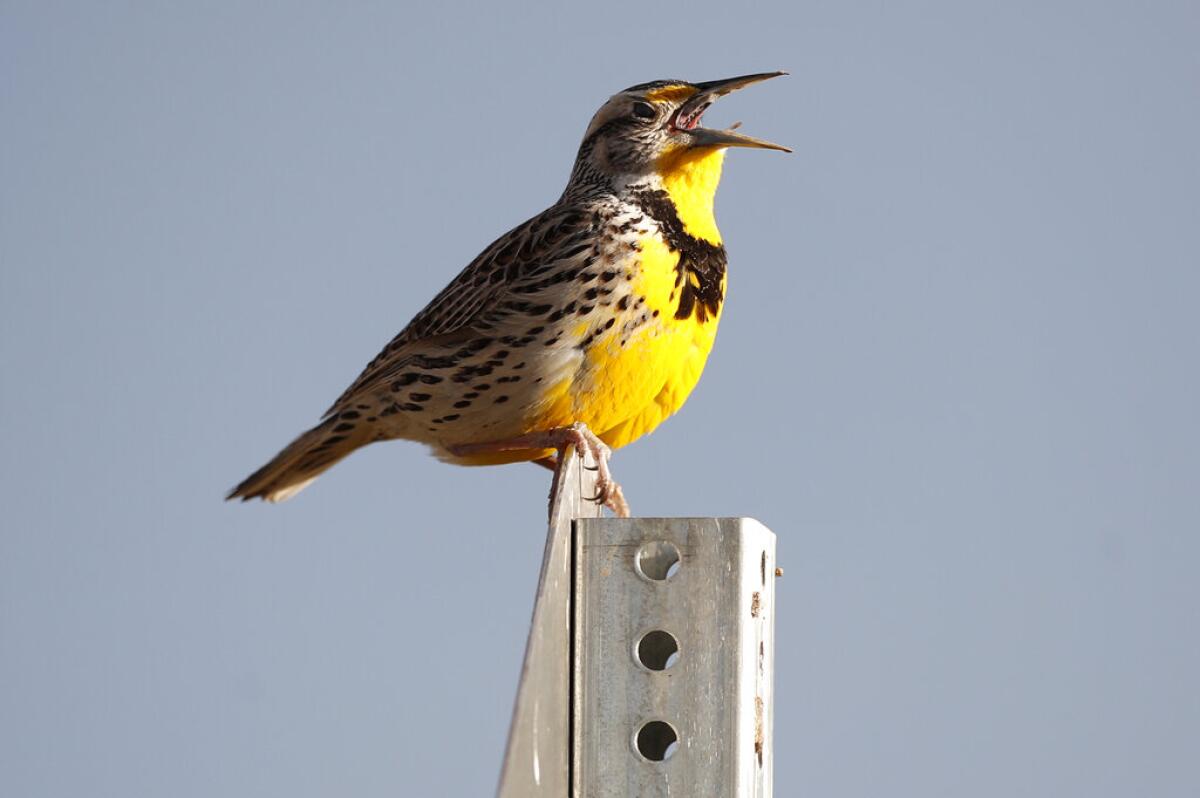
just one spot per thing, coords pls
(538, 756)
(649, 668)
(674, 652)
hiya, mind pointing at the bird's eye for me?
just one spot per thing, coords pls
(644, 110)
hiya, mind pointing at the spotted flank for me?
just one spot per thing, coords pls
(597, 314)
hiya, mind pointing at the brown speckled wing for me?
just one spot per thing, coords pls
(522, 261)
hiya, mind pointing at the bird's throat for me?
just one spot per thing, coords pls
(690, 178)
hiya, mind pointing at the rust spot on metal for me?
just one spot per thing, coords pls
(758, 729)
(778, 572)
(755, 604)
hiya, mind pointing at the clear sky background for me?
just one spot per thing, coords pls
(958, 376)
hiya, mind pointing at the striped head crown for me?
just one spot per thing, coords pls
(643, 124)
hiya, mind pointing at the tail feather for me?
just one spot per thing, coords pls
(302, 461)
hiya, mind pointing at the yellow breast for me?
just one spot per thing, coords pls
(641, 359)
(690, 177)
(631, 384)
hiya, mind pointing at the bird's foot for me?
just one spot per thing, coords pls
(585, 442)
(608, 491)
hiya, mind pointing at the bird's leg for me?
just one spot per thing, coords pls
(586, 443)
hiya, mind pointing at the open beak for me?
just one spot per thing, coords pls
(686, 119)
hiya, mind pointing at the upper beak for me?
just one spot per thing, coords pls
(707, 94)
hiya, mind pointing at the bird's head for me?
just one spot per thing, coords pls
(649, 128)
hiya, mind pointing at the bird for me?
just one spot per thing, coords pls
(585, 326)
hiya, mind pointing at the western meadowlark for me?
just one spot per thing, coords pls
(587, 325)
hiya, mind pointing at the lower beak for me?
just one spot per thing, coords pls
(706, 137)
(707, 94)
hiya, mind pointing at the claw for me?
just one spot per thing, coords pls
(585, 442)
(614, 500)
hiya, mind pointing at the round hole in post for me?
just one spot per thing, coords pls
(656, 741)
(657, 560)
(657, 650)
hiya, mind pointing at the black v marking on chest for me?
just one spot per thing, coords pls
(700, 272)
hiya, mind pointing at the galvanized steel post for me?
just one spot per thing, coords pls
(649, 670)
